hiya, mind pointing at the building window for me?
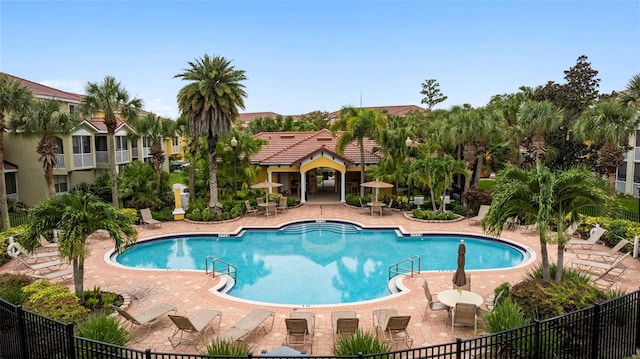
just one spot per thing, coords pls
(81, 144)
(61, 184)
(72, 109)
(146, 142)
(11, 183)
(121, 143)
(101, 143)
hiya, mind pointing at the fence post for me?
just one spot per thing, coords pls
(458, 348)
(595, 331)
(71, 347)
(22, 335)
(538, 340)
(635, 247)
(637, 296)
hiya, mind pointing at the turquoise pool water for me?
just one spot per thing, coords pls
(317, 263)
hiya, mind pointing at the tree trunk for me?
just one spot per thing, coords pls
(433, 200)
(476, 174)
(214, 204)
(546, 273)
(111, 159)
(193, 151)
(78, 278)
(4, 209)
(48, 175)
(560, 260)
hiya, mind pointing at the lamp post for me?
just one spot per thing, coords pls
(234, 144)
(408, 142)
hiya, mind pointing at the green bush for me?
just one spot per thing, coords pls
(96, 299)
(54, 301)
(104, 328)
(11, 287)
(430, 215)
(360, 342)
(132, 213)
(227, 348)
(504, 316)
(568, 273)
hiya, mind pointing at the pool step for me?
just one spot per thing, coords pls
(320, 227)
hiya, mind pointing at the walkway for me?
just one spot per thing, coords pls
(189, 291)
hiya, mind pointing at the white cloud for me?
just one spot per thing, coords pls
(74, 86)
(157, 106)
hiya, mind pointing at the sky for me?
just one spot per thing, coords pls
(307, 55)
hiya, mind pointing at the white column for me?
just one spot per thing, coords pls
(269, 178)
(303, 187)
(343, 178)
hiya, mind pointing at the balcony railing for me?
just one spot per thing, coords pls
(122, 156)
(82, 160)
(101, 157)
(60, 161)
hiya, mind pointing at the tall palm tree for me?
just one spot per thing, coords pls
(155, 128)
(76, 216)
(110, 98)
(541, 196)
(609, 123)
(537, 120)
(631, 97)
(14, 98)
(360, 124)
(210, 102)
(45, 121)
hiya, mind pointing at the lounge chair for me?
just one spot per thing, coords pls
(46, 245)
(16, 249)
(388, 207)
(484, 209)
(197, 325)
(250, 209)
(465, 314)
(467, 285)
(260, 203)
(589, 242)
(300, 327)
(605, 256)
(376, 208)
(147, 317)
(282, 204)
(250, 324)
(147, 219)
(344, 322)
(609, 275)
(53, 275)
(431, 304)
(392, 326)
(598, 268)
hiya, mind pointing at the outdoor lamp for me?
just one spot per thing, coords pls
(234, 144)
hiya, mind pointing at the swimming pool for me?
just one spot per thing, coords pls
(317, 263)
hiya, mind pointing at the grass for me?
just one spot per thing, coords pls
(627, 202)
(175, 177)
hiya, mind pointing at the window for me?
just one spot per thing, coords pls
(146, 142)
(60, 183)
(121, 143)
(101, 143)
(59, 146)
(11, 183)
(81, 144)
(72, 109)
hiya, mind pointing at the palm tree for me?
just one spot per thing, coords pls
(360, 123)
(210, 102)
(540, 196)
(155, 128)
(76, 216)
(110, 99)
(537, 120)
(45, 121)
(14, 98)
(631, 97)
(436, 173)
(609, 123)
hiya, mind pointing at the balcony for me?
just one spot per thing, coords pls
(82, 160)
(123, 156)
(60, 161)
(102, 157)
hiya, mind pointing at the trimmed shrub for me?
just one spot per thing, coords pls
(54, 301)
(360, 342)
(504, 316)
(103, 328)
(227, 348)
(11, 287)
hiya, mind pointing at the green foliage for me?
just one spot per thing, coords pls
(96, 299)
(458, 209)
(476, 198)
(54, 301)
(132, 213)
(101, 188)
(569, 274)
(501, 293)
(138, 184)
(4, 237)
(504, 316)
(11, 287)
(430, 215)
(542, 299)
(227, 348)
(104, 328)
(360, 342)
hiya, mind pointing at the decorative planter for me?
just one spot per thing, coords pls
(458, 218)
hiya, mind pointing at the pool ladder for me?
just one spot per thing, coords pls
(408, 266)
(224, 268)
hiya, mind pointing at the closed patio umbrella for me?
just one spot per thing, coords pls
(460, 278)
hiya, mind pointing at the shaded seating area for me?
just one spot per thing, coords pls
(146, 318)
(147, 218)
(392, 327)
(251, 210)
(190, 328)
(300, 328)
(248, 325)
(344, 322)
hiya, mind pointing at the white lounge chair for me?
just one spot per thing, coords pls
(147, 317)
(605, 256)
(588, 243)
(16, 249)
(603, 275)
(147, 218)
(250, 324)
(53, 275)
(196, 325)
(484, 209)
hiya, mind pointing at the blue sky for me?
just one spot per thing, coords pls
(307, 55)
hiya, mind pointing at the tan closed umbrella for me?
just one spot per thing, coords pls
(460, 277)
(377, 185)
(266, 185)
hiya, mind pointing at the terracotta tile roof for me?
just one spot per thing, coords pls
(291, 147)
(98, 123)
(46, 91)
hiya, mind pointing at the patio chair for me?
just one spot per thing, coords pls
(344, 322)
(197, 325)
(272, 209)
(376, 208)
(588, 243)
(46, 245)
(604, 256)
(300, 327)
(431, 304)
(392, 326)
(16, 249)
(465, 314)
(250, 209)
(467, 285)
(261, 205)
(282, 204)
(609, 275)
(599, 268)
(388, 207)
(248, 325)
(147, 218)
(53, 275)
(145, 318)
(484, 209)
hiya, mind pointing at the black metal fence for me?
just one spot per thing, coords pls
(613, 214)
(608, 330)
(16, 219)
